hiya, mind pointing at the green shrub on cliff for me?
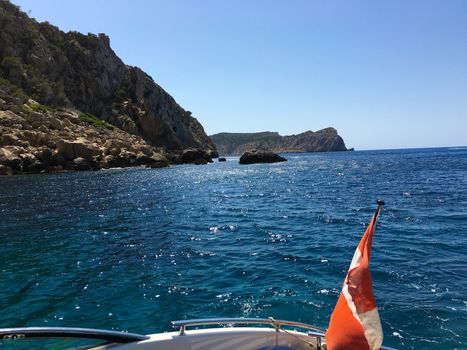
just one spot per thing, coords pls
(12, 89)
(120, 95)
(41, 108)
(33, 106)
(94, 121)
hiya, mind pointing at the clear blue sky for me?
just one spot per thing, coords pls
(385, 74)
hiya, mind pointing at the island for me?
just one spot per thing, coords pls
(259, 156)
(325, 140)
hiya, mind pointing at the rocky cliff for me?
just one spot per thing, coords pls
(81, 72)
(325, 140)
(35, 138)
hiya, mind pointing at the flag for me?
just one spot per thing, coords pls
(355, 322)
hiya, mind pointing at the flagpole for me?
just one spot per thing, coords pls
(380, 204)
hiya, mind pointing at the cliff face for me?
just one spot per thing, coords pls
(79, 71)
(325, 140)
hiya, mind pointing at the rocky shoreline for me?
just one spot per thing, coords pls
(35, 138)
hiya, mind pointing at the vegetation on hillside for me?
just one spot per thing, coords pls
(94, 121)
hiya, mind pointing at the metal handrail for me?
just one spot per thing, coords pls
(182, 324)
(314, 331)
(66, 332)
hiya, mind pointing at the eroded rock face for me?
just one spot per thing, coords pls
(259, 156)
(76, 149)
(80, 71)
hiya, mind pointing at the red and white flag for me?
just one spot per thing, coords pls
(355, 322)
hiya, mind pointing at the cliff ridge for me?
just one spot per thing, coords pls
(325, 140)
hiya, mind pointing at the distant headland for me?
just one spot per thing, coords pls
(325, 140)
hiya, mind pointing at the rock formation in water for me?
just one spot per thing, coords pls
(258, 156)
(75, 74)
(325, 140)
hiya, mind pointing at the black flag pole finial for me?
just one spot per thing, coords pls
(380, 204)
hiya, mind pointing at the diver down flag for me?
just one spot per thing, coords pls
(355, 322)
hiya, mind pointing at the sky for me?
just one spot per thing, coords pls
(386, 74)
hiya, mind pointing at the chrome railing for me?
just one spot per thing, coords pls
(233, 321)
(312, 331)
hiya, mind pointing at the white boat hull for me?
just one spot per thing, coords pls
(238, 338)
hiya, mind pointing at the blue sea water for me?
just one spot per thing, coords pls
(133, 249)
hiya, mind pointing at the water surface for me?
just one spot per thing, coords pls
(134, 249)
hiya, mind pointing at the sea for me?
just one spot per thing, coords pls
(134, 249)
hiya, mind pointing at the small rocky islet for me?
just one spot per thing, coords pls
(260, 156)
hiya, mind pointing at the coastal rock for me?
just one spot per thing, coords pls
(27, 159)
(34, 168)
(143, 159)
(155, 160)
(259, 156)
(9, 157)
(8, 139)
(222, 159)
(58, 160)
(159, 164)
(75, 149)
(35, 138)
(195, 156)
(213, 154)
(4, 170)
(82, 164)
(55, 124)
(200, 161)
(45, 155)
